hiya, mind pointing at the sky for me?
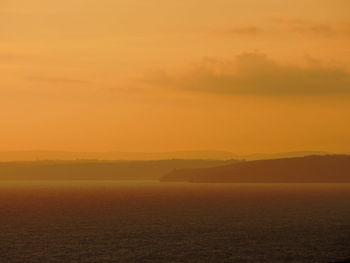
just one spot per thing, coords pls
(245, 76)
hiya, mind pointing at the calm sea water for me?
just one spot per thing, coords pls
(159, 222)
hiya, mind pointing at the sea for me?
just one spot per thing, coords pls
(150, 221)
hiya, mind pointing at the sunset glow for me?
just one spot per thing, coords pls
(151, 76)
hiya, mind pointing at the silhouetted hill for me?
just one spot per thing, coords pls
(266, 156)
(310, 169)
(98, 170)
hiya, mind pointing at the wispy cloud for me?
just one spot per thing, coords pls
(16, 57)
(309, 27)
(290, 27)
(243, 31)
(256, 74)
(57, 80)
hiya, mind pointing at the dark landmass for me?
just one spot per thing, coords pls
(266, 156)
(98, 170)
(6, 156)
(310, 169)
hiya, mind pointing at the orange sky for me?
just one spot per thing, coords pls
(152, 75)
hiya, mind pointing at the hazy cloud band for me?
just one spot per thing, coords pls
(256, 74)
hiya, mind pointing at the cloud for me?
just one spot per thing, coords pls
(291, 27)
(57, 80)
(309, 28)
(6, 57)
(243, 31)
(256, 74)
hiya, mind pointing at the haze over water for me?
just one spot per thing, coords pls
(159, 222)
